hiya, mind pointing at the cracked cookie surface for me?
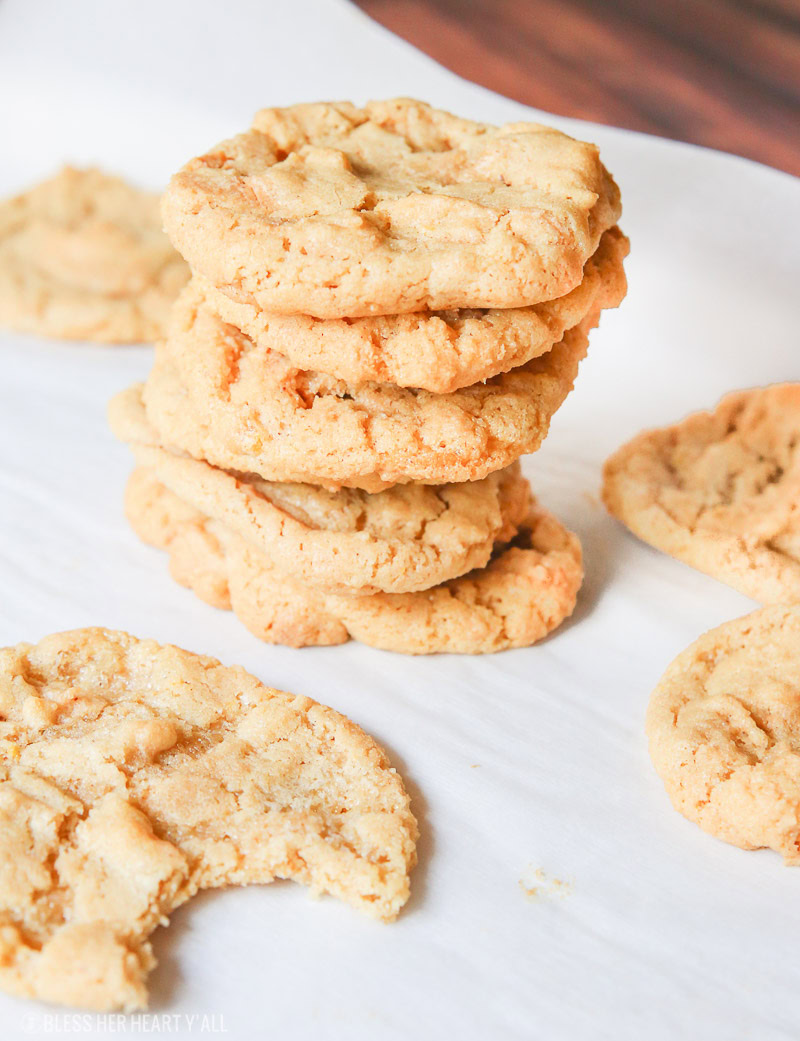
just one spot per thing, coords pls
(215, 394)
(337, 211)
(133, 775)
(436, 351)
(83, 257)
(720, 490)
(406, 538)
(526, 591)
(724, 730)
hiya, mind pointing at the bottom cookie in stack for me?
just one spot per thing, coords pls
(527, 589)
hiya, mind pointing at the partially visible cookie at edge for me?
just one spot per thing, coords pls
(724, 731)
(526, 591)
(337, 211)
(720, 490)
(133, 775)
(83, 257)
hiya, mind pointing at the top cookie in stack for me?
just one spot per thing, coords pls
(337, 212)
(380, 295)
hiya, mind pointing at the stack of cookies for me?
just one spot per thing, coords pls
(387, 307)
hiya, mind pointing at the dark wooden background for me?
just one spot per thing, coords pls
(724, 73)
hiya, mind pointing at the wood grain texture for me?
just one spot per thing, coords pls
(723, 73)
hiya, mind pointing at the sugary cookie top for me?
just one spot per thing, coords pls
(133, 774)
(82, 255)
(338, 211)
(724, 728)
(735, 467)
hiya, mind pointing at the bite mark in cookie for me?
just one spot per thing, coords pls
(133, 775)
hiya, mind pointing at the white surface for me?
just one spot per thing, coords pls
(533, 759)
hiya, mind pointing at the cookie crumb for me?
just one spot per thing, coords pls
(536, 884)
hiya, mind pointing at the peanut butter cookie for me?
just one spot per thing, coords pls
(337, 211)
(439, 351)
(133, 775)
(215, 394)
(721, 491)
(406, 538)
(526, 591)
(724, 729)
(83, 257)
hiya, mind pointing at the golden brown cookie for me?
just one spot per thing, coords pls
(406, 538)
(337, 211)
(724, 729)
(439, 351)
(720, 490)
(133, 775)
(526, 591)
(83, 257)
(217, 396)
